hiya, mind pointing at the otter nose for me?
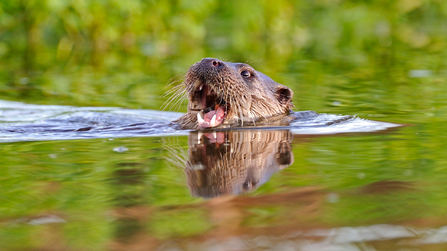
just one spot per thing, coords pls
(214, 62)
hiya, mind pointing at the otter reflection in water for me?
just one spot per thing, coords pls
(233, 162)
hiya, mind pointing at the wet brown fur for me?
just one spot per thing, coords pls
(246, 100)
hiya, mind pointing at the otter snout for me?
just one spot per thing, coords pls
(212, 63)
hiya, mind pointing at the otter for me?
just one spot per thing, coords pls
(223, 94)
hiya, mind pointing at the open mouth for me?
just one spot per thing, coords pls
(213, 108)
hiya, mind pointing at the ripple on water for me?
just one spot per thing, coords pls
(28, 122)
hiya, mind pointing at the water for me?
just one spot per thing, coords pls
(354, 184)
(28, 122)
(368, 172)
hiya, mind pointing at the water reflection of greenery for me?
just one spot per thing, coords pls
(107, 196)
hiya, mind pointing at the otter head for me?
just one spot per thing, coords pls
(223, 93)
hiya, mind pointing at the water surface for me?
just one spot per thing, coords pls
(302, 187)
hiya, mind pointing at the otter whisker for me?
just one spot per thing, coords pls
(174, 80)
(226, 106)
(174, 89)
(173, 101)
(240, 114)
(179, 102)
(172, 98)
(177, 155)
(176, 99)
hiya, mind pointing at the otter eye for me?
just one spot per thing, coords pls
(245, 73)
(247, 185)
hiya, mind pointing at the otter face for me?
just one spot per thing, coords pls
(223, 93)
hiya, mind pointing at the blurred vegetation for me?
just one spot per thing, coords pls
(98, 52)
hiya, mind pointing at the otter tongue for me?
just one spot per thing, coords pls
(212, 118)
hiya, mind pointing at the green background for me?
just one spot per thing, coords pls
(356, 54)
(356, 57)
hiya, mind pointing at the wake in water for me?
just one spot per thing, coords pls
(27, 122)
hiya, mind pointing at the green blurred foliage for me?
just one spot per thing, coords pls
(97, 52)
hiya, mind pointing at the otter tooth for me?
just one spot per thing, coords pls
(199, 138)
(200, 120)
(213, 120)
(200, 87)
(198, 167)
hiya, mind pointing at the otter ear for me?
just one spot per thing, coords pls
(284, 156)
(284, 94)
